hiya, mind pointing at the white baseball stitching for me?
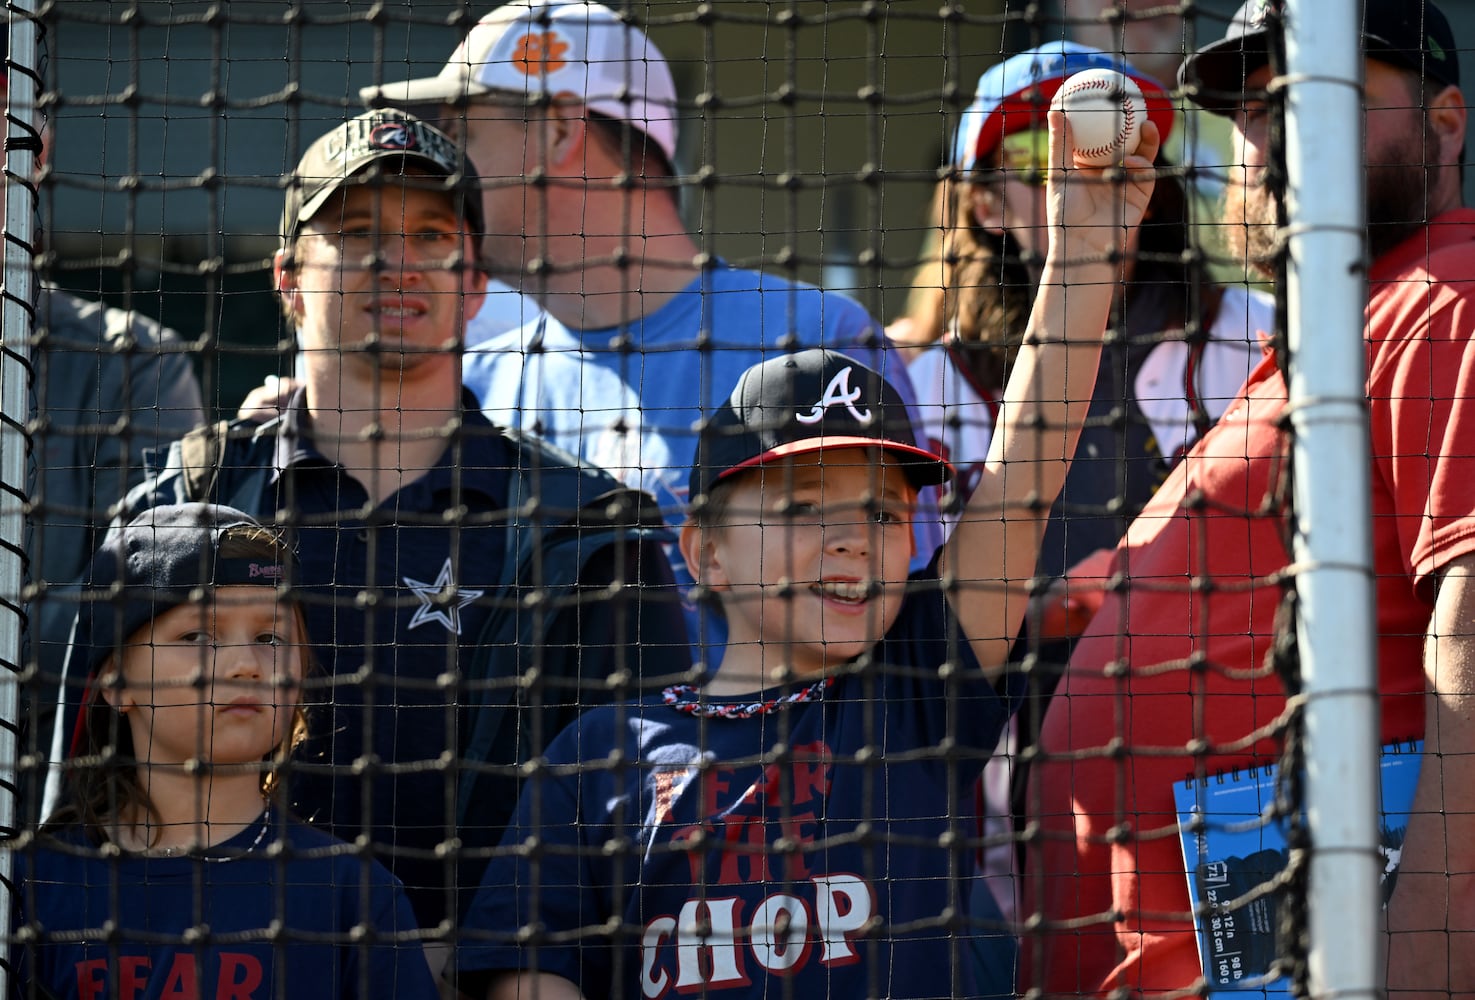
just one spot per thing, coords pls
(1128, 114)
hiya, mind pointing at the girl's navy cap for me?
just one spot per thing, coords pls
(805, 402)
(157, 561)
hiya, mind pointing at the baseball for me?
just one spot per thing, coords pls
(1105, 110)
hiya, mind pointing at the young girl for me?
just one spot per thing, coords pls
(796, 826)
(169, 871)
(970, 307)
(1158, 387)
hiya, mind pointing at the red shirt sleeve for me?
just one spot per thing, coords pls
(1421, 390)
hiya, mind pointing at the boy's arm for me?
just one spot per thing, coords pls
(532, 986)
(992, 554)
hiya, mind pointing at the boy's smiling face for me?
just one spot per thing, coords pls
(809, 560)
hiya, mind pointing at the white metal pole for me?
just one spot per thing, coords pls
(16, 307)
(1332, 541)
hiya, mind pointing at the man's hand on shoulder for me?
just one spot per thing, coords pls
(266, 401)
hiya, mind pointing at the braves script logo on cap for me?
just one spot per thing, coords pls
(538, 54)
(393, 135)
(837, 393)
(270, 571)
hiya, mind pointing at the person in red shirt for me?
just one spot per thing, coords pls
(1171, 677)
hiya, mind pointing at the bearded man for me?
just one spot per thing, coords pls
(1170, 677)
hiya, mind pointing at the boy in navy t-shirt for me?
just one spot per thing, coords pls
(797, 826)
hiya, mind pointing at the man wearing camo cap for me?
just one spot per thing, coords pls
(409, 511)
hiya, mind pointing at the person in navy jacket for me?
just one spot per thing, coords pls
(468, 587)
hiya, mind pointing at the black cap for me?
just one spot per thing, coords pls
(805, 402)
(158, 561)
(389, 137)
(1413, 34)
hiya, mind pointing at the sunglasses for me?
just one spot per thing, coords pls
(1023, 157)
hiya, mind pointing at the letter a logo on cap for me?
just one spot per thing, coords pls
(837, 393)
(540, 53)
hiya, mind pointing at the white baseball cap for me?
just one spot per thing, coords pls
(531, 47)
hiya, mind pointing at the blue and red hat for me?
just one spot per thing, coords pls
(1015, 95)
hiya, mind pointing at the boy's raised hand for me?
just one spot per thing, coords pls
(1091, 209)
(1092, 212)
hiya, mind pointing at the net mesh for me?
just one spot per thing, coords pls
(866, 810)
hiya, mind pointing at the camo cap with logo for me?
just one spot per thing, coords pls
(806, 402)
(392, 140)
(1412, 34)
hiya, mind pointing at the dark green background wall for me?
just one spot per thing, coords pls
(174, 126)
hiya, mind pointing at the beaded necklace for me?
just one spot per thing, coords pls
(184, 851)
(687, 698)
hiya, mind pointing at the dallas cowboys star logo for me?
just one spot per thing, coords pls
(441, 601)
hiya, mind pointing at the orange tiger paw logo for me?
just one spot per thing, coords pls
(540, 53)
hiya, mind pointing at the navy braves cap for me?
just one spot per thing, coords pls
(389, 137)
(1413, 34)
(1015, 95)
(158, 561)
(810, 401)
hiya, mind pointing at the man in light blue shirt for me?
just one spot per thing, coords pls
(571, 115)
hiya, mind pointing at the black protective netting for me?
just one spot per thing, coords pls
(537, 653)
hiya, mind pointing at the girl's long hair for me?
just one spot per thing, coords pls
(102, 779)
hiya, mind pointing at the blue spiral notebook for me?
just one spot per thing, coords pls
(1234, 848)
